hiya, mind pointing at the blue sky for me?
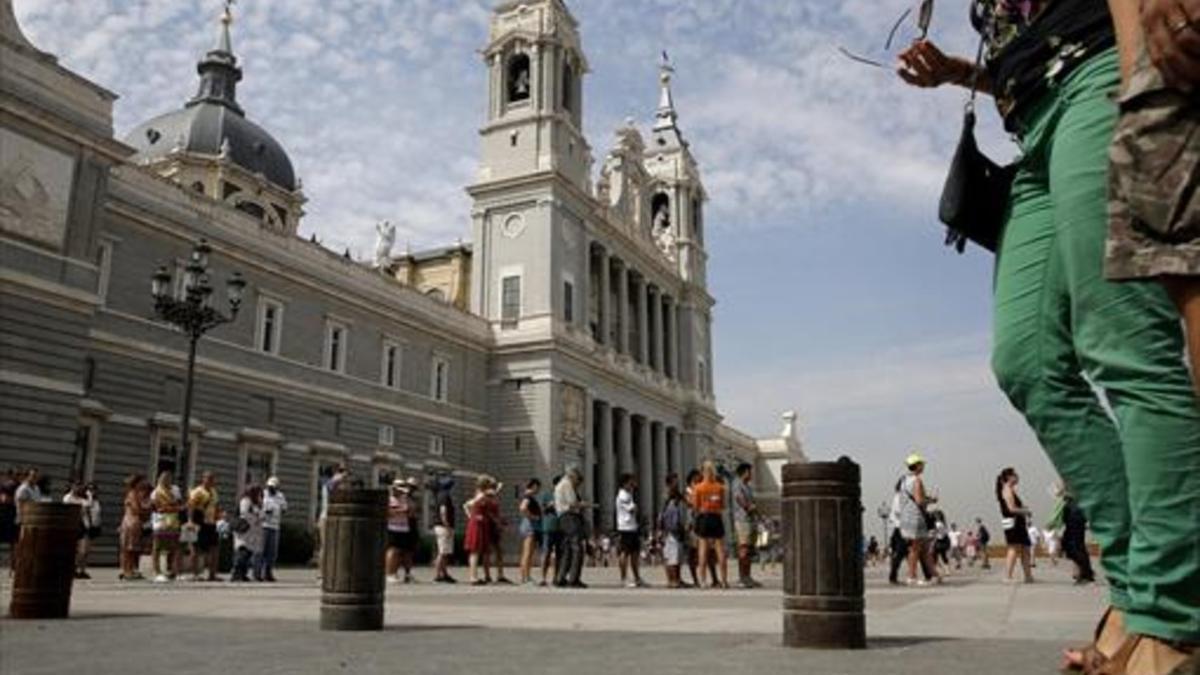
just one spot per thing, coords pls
(835, 296)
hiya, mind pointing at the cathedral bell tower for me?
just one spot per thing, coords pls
(678, 193)
(535, 94)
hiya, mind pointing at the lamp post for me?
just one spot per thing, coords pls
(194, 315)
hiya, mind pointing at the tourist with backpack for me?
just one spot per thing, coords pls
(672, 522)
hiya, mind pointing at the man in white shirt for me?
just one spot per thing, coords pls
(570, 521)
(629, 542)
(274, 506)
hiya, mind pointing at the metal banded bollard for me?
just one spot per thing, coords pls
(45, 561)
(822, 570)
(352, 548)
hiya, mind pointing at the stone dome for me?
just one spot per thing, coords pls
(213, 123)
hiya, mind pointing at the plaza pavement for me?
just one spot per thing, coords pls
(975, 624)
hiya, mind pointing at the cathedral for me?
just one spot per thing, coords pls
(572, 327)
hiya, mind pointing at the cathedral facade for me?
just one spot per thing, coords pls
(573, 329)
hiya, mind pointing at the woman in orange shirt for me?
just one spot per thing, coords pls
(708, 499)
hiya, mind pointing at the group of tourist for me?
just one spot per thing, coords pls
(553, 530)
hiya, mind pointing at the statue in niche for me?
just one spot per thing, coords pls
(660, 228)
(666, 242)
(662, 216)
(385, 239)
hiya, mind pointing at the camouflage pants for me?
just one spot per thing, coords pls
(1061, 327)
(1154, 180)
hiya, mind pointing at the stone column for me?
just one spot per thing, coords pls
(643, 323)
(624, 442)
(645, 472)
(605, 293)
(589, 453)
(673, 318)
(659, 345)
(606, 466)
(623, 307)
(661, 466)
(674, 456)
(583, 294)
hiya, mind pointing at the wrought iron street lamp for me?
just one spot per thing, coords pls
(192, 313)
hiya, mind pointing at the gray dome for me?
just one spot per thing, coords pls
(202, 127)
(213, 119)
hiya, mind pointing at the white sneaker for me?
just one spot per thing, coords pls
(632, 584)
(161, 579)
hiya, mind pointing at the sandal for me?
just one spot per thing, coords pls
(1152, 654)
(1121, 662)
(1089, 657)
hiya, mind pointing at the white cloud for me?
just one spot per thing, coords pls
(378, 101)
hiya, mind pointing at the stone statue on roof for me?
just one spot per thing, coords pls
(384, 241)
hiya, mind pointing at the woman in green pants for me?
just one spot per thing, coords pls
(1060, 327)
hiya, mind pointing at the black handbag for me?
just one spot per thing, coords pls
(975, 196)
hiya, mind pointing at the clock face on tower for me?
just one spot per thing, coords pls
(513, 226)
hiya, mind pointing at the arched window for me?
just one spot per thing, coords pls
(660, 212)
(251, 208)
(568, 87)
(697, 223)
(436, 294)
(519, 78)
(198, 187)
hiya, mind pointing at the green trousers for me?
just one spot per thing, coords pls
(1065, 338)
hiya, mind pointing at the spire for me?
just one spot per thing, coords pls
(666, 102)
(219, 72)
(224, 43)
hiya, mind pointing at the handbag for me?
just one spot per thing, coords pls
(975, 195)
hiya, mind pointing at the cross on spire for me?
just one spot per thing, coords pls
(224, 43)
(666, 103)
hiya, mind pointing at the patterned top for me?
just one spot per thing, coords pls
(1030, 45)
(1001, 21)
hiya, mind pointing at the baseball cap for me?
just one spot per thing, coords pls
(273, 482)
(914, 459)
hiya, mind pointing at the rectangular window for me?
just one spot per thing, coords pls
(104, 263)
(510, 301)
(439, 388)
(437, 445)
(336, 346)
(257, 466)
(168, 456)
(390, 368)
(387, 435)
(323, 469)
(568, 302)
(81, 456)
(385, 476)
(270, 324)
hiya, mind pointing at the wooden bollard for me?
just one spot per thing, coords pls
(45, 561)
(823, 569)
(352, 548)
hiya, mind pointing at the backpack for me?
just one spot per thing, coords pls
(671, 520)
